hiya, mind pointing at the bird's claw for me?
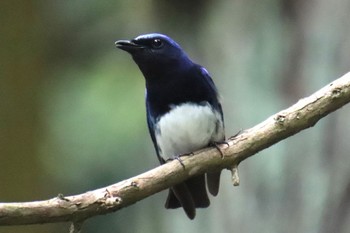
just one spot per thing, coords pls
(217, 146)
(180, 161)
(178, 158)
(238, 133)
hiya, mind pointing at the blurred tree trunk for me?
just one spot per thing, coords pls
(22, 60)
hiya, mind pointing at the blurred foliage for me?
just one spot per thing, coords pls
(72, 115)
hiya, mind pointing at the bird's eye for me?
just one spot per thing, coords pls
(157, 43)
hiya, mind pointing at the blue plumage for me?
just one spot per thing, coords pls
(184, 113)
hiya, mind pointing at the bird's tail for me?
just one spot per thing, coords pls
(189, 195)
(213, 181)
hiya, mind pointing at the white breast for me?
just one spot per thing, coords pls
(186, 128)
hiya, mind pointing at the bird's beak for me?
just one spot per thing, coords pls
(128, 45)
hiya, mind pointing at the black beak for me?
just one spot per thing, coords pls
(128, 45)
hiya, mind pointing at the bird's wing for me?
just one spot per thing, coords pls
(207, 77)
(205, 74)
(213, 178)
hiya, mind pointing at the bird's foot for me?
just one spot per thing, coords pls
(178, 158)
(238, 133)
(180, 161)
(217, 146)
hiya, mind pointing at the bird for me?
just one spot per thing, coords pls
(183, 109)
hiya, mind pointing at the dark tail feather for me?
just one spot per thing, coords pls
(171, 201)
(178, 196)
(213, 180)
(196, 185)
(190, 195)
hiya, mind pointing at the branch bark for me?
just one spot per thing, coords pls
(304, 114)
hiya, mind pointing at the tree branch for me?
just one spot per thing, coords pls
(304, 114)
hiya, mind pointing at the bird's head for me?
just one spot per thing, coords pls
(154, 52)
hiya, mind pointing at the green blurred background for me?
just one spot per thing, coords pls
(72, 115)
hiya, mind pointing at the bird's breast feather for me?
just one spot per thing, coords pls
(186, 128)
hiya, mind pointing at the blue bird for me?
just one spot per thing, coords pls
(184, 113)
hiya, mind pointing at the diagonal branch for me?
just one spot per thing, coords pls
(304, 114)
